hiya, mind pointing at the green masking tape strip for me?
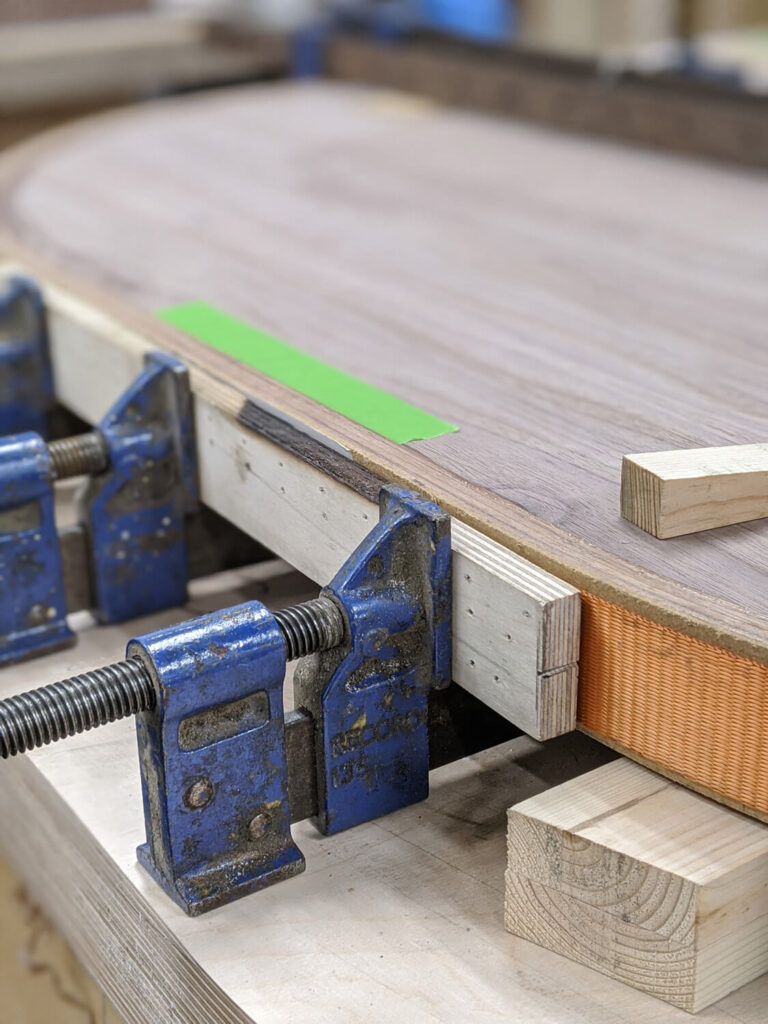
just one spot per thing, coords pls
(386, 415)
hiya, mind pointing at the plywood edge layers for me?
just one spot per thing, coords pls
(137, 961)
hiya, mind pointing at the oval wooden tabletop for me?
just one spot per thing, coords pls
(563, 301)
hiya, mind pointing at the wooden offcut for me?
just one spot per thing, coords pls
(642, 880)
(669, 494)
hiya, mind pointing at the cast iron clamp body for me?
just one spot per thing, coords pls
(143, 465)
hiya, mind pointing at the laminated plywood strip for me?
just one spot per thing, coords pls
(476, 290)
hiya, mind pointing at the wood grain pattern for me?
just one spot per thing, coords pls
(642, 880)
(538, 308)
(670, 494)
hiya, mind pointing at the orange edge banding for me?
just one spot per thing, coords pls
(695, 710)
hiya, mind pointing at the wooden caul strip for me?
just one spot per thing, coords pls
(670, 494)
(519, 295)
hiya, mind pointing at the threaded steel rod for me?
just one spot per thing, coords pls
(74, 705)
(310, 627)
(79, 455)
(96, 698)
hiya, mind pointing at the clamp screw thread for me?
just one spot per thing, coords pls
(96, 698)
(79, 455)
(310, 627)
(74, 705)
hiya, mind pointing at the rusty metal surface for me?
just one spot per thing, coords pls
(217, 814)
(370, 695)
(135, 511)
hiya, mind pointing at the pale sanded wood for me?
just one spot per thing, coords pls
(518, 294)
(670, 494)
(516, 628)
(643, 880)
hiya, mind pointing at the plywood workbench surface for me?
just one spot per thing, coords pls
(561, 301)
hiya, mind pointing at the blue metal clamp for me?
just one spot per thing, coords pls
(26, 378)
(369, 696)
(32, 600)
(133, 513)
(213, 750)
(212, 754)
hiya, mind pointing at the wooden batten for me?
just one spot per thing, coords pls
(669, 494)
(642, 880)
(516, 627)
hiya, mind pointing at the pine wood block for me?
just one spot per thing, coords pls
(642, 880)
(673, 493)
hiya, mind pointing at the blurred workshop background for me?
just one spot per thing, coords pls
(597, 66)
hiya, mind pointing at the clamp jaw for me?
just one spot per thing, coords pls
(133, 508)
(134, 511)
